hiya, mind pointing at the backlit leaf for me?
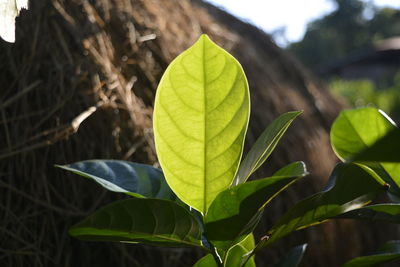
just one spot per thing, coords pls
(150, 221)
(235, 255)
(237, 210)
(350, 187)
(264, 146)
(201, 115)
(386, 149)
(355, 133)
(206, 261)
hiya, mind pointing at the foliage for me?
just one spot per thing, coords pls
(201, 198)
(388, 253)
(344, 30)
(359, 93)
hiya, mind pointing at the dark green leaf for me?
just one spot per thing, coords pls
(134, 179)
(293, 257)
(355, 133)
(150, 221)
(237, 210)
(381, 212)
(264, 146)
(388, 253)
(350, 187)
(206, 261)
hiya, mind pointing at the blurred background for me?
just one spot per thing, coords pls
(79, 83)
(352, 45)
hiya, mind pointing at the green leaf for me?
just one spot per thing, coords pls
(388, 253)
(355, 132)
(145, 220)
(235, 256)
(237, 210)
(293, 257)
(350, 187)
(134, 179)
(206, 261)
(248, 244)
(201, 115)
(385, 149)
(264, 146)
(381, 212)
(294, 169)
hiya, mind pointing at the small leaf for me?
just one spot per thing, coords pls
(134, 179)
(350, 187)
(381, 212)
(293, 257)
(206, 261)
(237, 210)
(201, 115)
(264, 146)
(355, 135)
(249, 244)
(294, 169)
(388, 253)
(235, 256)
(144, 220)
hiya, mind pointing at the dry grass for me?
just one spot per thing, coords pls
(72, 91)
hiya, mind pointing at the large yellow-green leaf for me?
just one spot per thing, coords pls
(201, 115)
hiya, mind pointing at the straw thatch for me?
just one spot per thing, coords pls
(79, 83)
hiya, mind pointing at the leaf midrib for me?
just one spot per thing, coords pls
(205, 129)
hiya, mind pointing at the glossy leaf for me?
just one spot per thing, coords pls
(355, 132)
(150, 221)
(264, 146)
(201, 115)
(134, 179)
(293, 257)
(207, 261)
(350, 187)
(381, 212)
(388, 253)
(237, 210)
